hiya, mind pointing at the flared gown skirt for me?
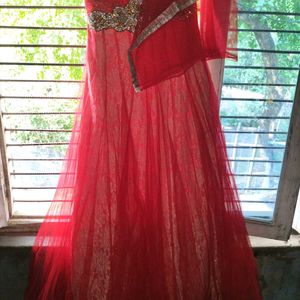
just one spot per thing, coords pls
(146, 206)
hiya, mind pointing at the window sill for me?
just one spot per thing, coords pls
(16, 240)
(21, 227)
(259, 242)
(26, 239)
(21, 233)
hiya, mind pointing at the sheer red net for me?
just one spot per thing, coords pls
(146, 206)
(180, 42)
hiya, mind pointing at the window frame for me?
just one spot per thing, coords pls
(281, 226)
(289, 183)
(5, 193)
(286, 213)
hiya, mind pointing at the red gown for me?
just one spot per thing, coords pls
(146, 208)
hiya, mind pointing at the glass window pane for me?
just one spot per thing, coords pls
(257, 98)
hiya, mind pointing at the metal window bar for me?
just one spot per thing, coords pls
(39, 97)
(258, 84)
(41, 7)
(265, 51)
(37, 130)
(36, 159)
(258, 132)
(38, 113)
(72, 98)
(257, 100)
(72, 65)
(41, 28)
(269, 30)
(263, 68)
(40, 46)
(64, 7)
(73, 113)
(36, 144)
(84, 28)
(62, 159)
(41, 81)
(255, 175)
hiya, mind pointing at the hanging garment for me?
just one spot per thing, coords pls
(146, 206)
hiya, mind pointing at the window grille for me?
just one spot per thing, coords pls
(256, 104)
(42, 53)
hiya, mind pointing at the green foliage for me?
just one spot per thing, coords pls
(77, 18)
(47, 18)
(269, 41)
(40, 121)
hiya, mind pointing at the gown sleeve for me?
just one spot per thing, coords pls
(218, 28)
(168, 39)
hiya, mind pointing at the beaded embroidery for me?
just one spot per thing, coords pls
(120, 19)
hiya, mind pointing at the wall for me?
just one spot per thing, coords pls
(13, 272)
(279, 270)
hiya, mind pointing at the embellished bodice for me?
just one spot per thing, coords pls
(168, 37)
(120, 18)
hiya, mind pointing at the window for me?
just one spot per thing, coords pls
(42, 51)
(42, 54)
(259, 114)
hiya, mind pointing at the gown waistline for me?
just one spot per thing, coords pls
(121, 18)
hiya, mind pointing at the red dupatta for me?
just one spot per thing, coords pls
(168, 39)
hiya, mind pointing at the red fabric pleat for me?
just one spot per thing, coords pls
(146, 205)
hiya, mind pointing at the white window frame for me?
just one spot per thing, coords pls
(5, 203)
(281, 226)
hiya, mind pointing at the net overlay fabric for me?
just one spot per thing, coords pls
(146, 206)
